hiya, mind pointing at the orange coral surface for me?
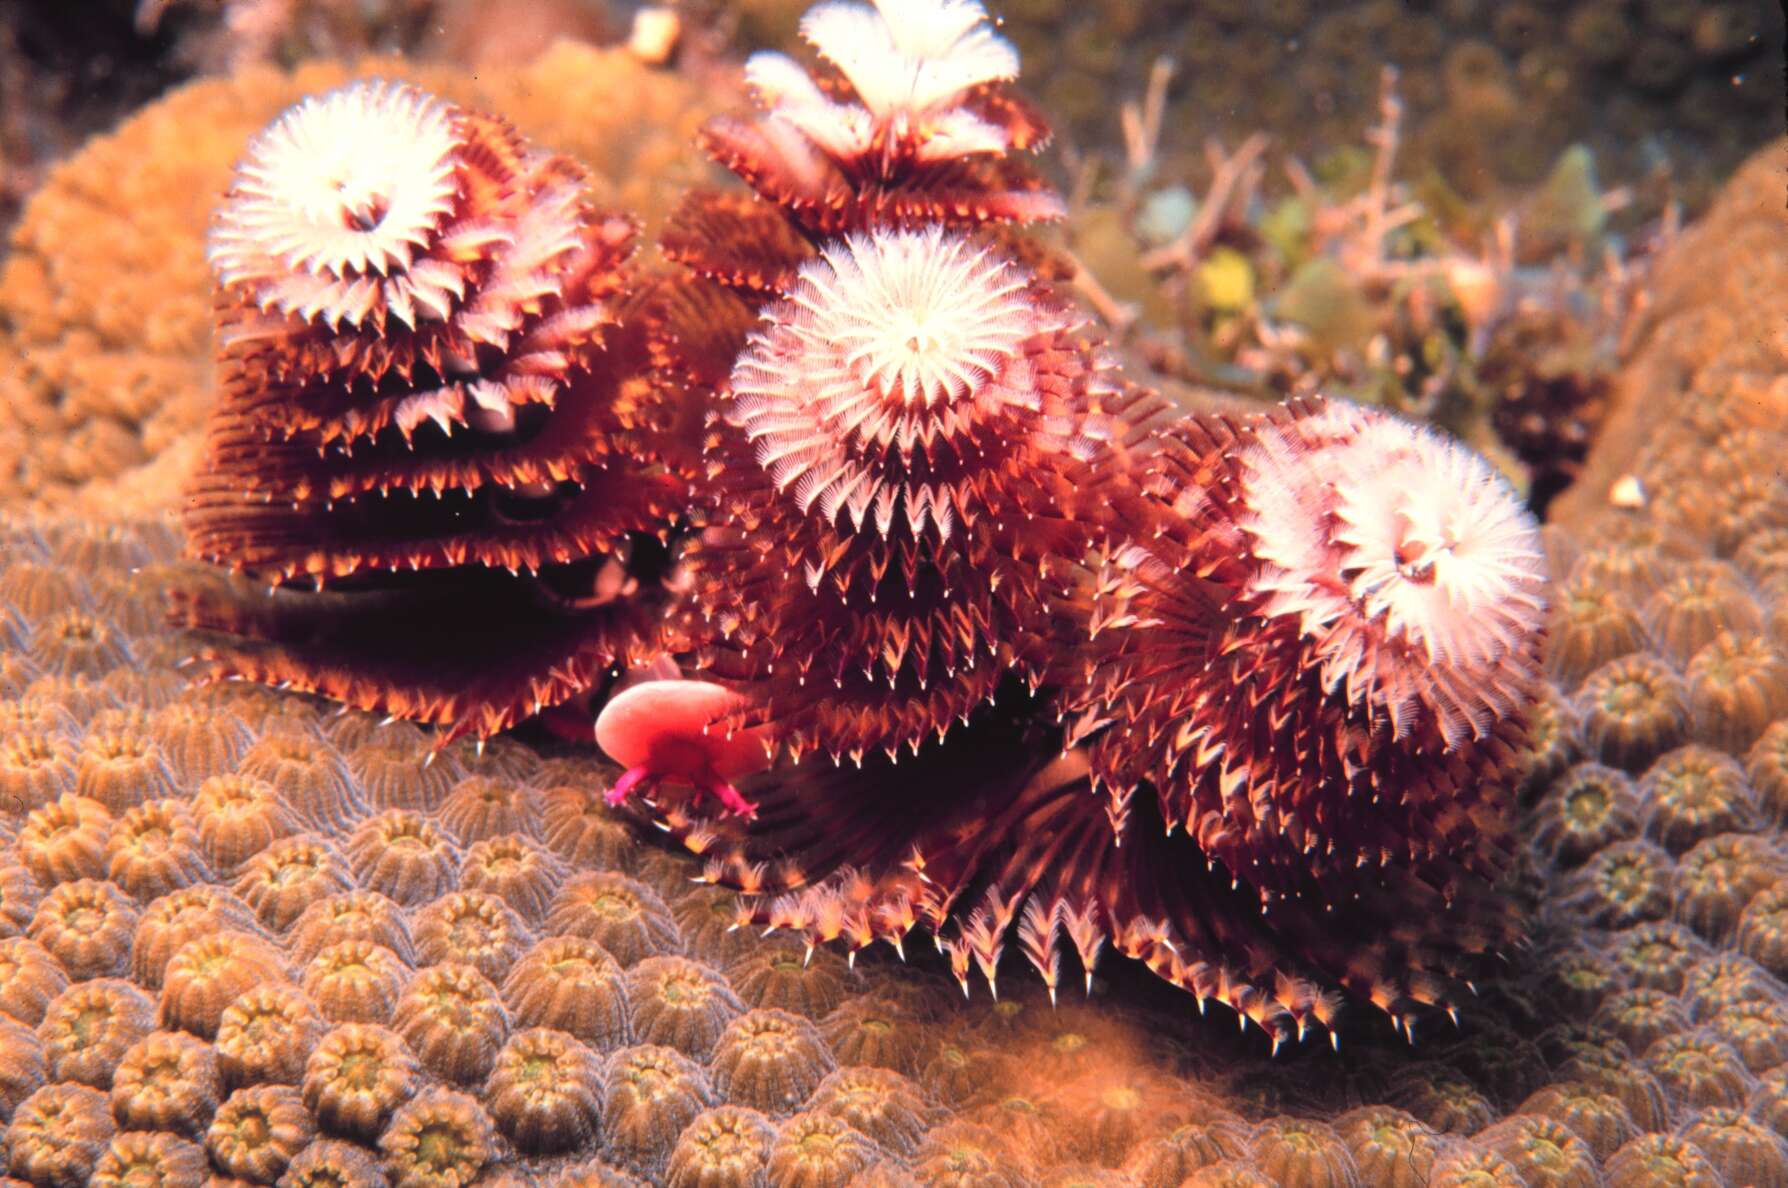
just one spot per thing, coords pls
(243, 935)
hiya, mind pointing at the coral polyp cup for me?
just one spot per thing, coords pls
(673, 732)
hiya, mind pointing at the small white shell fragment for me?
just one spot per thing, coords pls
(1627, 492)
(655, 32)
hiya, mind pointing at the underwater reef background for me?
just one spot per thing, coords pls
(246, 937)
(1497, 90)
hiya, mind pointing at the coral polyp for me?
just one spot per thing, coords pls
(571, 985)
(167, 1081)
(454, 1022)
(356, 1076)
(440, 1137)
(58, 1134)
(355, 981)
(266, 1035)
(258, 1131)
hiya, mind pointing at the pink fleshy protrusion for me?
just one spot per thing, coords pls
(714, 786)
(729, 796)
(669, 731)
(633, 778)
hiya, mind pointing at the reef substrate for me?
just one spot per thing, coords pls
(242, 932)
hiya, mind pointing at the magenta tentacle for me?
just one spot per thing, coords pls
(631, 779)
(729, 796)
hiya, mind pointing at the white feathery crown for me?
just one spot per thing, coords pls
(921, 318)
(888, 344)
(351, 181)
(910, 55)
(906, 60)
(334, 200)
(1407, 560)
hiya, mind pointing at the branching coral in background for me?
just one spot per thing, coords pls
(1361, 284)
